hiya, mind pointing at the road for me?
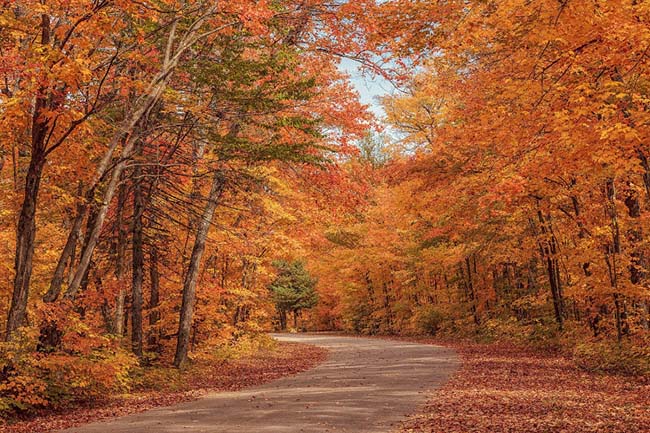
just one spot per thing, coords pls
(367, 385)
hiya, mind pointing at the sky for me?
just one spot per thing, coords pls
(370, 88)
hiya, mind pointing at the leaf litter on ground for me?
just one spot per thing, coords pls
(507, 388)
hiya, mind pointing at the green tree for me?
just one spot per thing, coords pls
(293, 290)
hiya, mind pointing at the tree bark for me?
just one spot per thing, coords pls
(283, 320)
(154, 300)
(611, 253)
(120, 263)
(67, 255)
(549, 252)
(189, 286)
(26, 230)
(25, 236)
(644, 307)
(646, 174)
(138, 260)
(472, 293)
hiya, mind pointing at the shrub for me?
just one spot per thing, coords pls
(240, 345)
(629, 358)
(427, 320)
(360, 319)
(30, 379)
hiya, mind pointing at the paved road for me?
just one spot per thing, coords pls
(365, 386)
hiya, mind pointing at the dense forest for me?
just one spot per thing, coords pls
(513, 200)
(179, 176)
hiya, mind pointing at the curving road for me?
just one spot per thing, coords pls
(365, 386)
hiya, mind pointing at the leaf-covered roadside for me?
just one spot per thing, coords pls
(504, 388)
(204, 376)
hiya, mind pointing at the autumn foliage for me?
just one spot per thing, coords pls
(155, 160)
(158, 158)
(516, 199)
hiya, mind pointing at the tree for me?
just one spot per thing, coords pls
(292, 291)
(67, 65)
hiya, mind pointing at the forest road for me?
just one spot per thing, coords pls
(365, 386)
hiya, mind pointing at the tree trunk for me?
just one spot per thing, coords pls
(26, 230)
(68, 253)
(198, 150)
(138, 260)
(154, 300)
(25, 235)
(548, 250)
(645, 308)
(646, 174)
(611, 253)
(472, 293)
(120, 263)
(283, 320)
(189, 286)
(235, 318)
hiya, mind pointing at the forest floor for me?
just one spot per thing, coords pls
(231, 375)
(507, 388)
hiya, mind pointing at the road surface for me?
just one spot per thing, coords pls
(365, 386)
